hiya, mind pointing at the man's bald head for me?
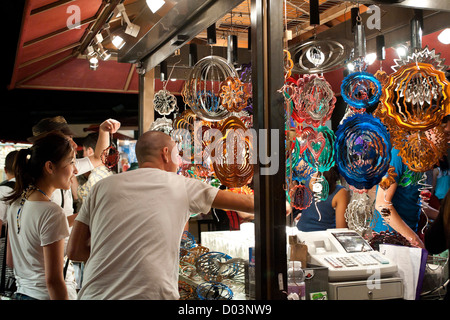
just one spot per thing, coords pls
(150, 146)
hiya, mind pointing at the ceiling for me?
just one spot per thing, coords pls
(51, 53)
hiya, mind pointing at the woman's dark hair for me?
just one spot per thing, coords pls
(29, 163)
(332, 177)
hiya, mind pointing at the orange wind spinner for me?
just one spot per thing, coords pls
(417, 96)
(233, 94)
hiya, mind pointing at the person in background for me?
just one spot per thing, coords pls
(38, 226)
(437, 237)
(7, 186)
(86, 164)
(401, 201)
(129, 229)
(63, 197)
(332, 210)
(89, 144)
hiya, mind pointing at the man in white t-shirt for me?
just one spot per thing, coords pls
(129, 228)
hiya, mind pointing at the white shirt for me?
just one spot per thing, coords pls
(136, 220)
(41, 223)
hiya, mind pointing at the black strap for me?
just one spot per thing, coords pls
(62, 198)
(3, 276)
(8, 183)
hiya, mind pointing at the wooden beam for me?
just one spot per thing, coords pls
(50, 6)
(146, 95)
(56, 33)
(50, 54)
(129, 77)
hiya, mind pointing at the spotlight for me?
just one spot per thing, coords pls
(370, 58)
(155, 5)
(402, 50)
(132, 29)
(118, 42)
(93, 63)
(444, 36)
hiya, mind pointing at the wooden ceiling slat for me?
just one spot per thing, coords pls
(50, 54)
(50, 6)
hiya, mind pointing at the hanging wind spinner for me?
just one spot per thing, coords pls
(164, 102)
(162, 124)
(417, 96)
(301, 197)
(319, 152)
(233, 94)
(319, 56)
(202, 88)
(110, 156)
(315, 100)
(288, 64)
(359, 212)
(362, 151)
(183, 134)
(361, 90)
(420, 150)
(232, 154)
(246, 77)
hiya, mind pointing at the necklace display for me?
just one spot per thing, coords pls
(25, 194)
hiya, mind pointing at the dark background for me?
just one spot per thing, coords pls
(20, 109)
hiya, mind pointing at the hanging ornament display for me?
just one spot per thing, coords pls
(314, 101)
(162, 124)
(203, 86)
(319, 152)
(417, 96)
(164, 102)
(420, 150)
(233, 94)
(359, 212)
(301, 197)
(319, 56)
(245, 75)
(110, 156)
(362, 151)
(232, 163)
(288, 64)
(361, 90)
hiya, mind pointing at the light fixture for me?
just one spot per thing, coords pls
(370, 58)
(155, 5)
(117, 41)
(104, 54)
(93, 63)
(444, 36)
(402, 50)
(132, 29)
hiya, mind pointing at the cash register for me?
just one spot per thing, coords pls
(352, 265)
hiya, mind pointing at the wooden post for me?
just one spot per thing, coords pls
(146, 95)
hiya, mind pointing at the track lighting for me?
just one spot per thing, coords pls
(104, 54)
(132, 29)
(155, 5)
(117, 41)
(93, 63)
